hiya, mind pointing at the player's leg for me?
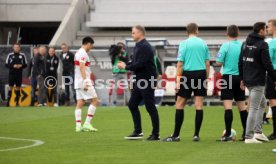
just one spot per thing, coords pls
(18, 84)
(228, 119)
(272, 103)
(259, 135)
(11, 85)
(9, 95)
(91, 96)
(255, 96)
(243, 116)
(199, 93)
(227, 96)
(199, 115)
(90, 114)
(239, 96)
(179, 118)
(133, 104)
(78, 110)
(182, 96)
(271, 95)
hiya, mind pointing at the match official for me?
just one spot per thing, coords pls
(192, 72)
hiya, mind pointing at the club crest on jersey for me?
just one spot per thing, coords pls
(20, 57)
(55, 61)
(219, 55)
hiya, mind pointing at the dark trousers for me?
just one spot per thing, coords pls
(147, 95)
(67, 88)
(34, 86)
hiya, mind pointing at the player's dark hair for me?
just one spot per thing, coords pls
(192, 28)
(259, 26)
(87, 40)
(233, 31)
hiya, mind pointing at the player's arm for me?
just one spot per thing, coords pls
(241, 67)
(83, 75)
(266, 61)
(56, 64)
(24, 62)
(82, 70)
(207, 63)
(179, 72)
(9, 62)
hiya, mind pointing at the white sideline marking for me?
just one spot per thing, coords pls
(35, 143)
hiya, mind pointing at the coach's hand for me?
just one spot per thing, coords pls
(242, 86)
(121, 65)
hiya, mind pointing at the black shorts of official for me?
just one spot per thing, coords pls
(193, 83)
(270, 92)
(232, 89)
(15, 80)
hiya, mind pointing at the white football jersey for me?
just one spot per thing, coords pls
(81, 57)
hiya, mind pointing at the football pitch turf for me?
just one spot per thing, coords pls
(56, 128)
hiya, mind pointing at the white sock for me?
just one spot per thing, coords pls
(78, 117)
(90, 113)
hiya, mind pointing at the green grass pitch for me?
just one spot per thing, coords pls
(55, 126)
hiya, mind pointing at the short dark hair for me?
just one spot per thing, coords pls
(233, 31)
(192, 28)
(87, 40)
(259, 26)
(51, 48)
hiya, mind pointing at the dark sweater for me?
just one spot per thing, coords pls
(254, 61)
(143, 61)
(39, 67)
(67, 64)
(51, 65)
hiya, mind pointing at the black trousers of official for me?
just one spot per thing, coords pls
(147, 95)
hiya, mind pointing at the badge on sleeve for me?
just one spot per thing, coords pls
(219, 55)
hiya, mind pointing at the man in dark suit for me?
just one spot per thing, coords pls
(67, 59)
(144, 69)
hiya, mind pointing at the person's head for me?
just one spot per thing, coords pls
(87, 43)
(51, 51)
(192, 29)
(16, 48)
(260, 28)
(122, 46)
(42, 50)
(233, 31)
(271, 27)
(35, 51)
(138, 33)
(64, 48)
